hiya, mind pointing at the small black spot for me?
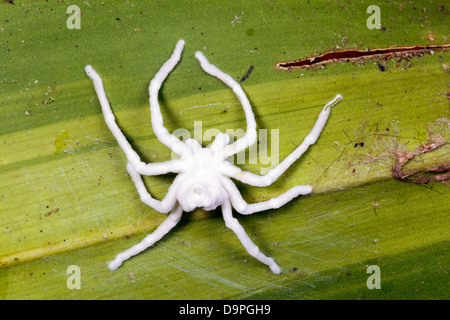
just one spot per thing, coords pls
(381, 67)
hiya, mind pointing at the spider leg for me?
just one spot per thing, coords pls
(250, 136)
(251, 248)
(157, 120)
(149, 240)
(163, 206)
(272, 175)
(243, 207)
(132, 156)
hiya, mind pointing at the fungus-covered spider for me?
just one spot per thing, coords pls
(203, 179)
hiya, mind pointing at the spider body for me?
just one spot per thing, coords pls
(204, 176)
(200, 185)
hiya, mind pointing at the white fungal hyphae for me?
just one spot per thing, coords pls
(204, 174)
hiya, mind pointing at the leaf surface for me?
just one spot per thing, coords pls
(66, 198)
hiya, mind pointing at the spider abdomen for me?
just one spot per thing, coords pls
(197, 192)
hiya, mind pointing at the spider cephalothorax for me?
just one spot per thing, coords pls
(204, 174)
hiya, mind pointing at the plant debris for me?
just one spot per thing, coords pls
(354, 55)
(440, 173)
(247, 74)
(437, 169)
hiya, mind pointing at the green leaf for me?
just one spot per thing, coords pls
(66, 198)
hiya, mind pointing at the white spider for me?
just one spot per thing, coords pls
(203, 179)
